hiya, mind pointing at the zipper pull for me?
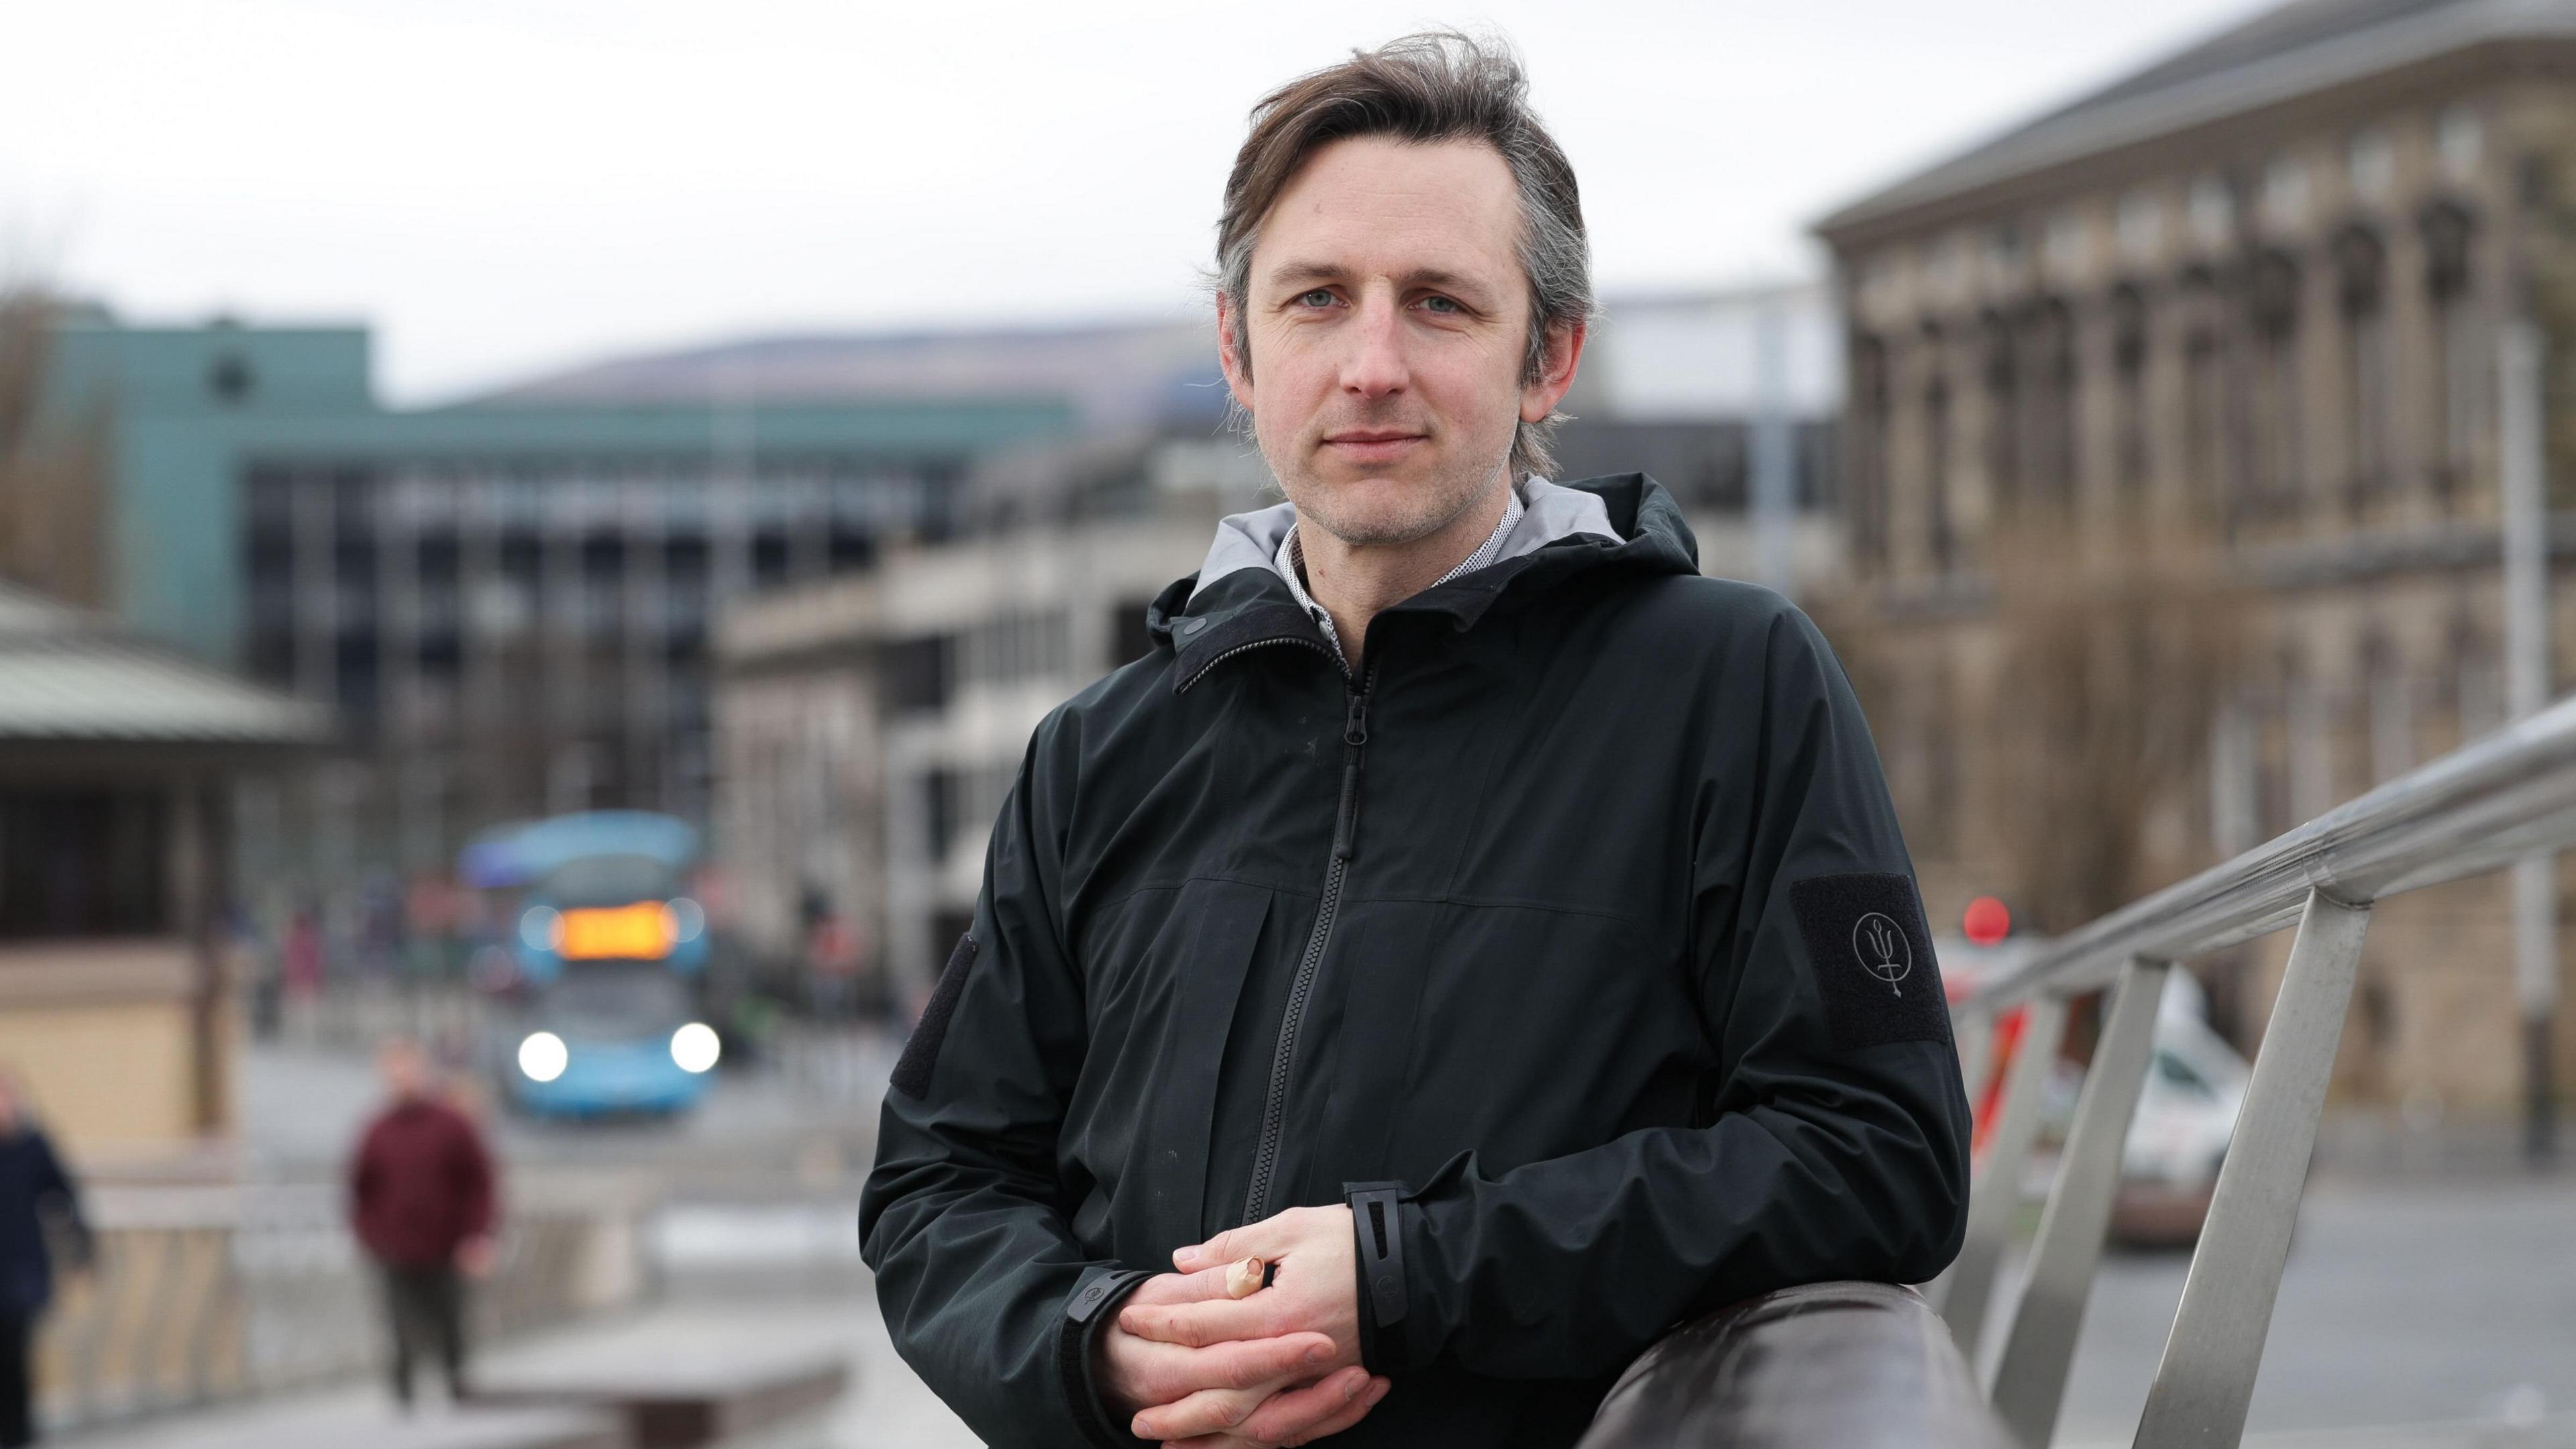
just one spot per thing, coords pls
(1355, 724)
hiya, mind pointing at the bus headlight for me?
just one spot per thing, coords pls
(687, 920)
(695, 1047)
(541, 928)
(543, 1056)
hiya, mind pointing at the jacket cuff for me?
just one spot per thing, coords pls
(1377, 1221)
(1091, 1309)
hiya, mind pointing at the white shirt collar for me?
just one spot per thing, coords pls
(1292, 566)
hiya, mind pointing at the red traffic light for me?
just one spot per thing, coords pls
(1987, 921)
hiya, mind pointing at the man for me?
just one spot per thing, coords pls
(421, 1200)
(1493, 927)
(38, 1201)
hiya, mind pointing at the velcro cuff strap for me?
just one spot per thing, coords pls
(1086, 1313)
(1378, 1224)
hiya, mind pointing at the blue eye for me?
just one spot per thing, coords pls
(1320, 297)
(1439, 304)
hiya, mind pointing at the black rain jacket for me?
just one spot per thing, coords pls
(1577, 931)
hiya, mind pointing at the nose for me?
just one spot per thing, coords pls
(1376, 366)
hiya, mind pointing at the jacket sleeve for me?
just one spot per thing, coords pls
(55, 1189)
(983, 1285)
(1836, 1136)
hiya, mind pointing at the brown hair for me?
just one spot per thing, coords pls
(1436, 86)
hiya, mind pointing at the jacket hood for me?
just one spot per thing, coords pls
(1624, 521)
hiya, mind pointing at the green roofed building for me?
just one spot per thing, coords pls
(505, 602)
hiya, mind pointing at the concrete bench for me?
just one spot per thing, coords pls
(673, 1389)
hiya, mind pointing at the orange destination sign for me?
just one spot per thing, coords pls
(640, 932)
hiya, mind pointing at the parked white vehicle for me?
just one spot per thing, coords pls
(2186, 1110)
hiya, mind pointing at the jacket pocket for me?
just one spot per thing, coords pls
(1169, 970)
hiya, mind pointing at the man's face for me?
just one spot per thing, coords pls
(1389, 317)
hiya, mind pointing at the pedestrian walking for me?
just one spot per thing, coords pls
(1468, 909)
(35, 1194)
(421, 1197)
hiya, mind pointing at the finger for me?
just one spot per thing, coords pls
(1358, 1410)
(1174, 1373)
(1245, 1278)
(1195, 1287)
(1209, 1411)
(1304, 1411)
(1225, 1247)
(1196, 1325)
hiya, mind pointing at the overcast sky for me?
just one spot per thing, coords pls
(503, 187)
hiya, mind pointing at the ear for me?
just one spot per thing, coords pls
(1229, 323)
(1564, 352)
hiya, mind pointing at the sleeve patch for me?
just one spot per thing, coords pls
(1872, 957)
(912, 1072)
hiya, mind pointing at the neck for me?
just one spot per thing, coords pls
(1353, 581)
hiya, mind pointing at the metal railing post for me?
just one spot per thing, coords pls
(2206, 1380)
(2030, 1381)
(1995, 1196)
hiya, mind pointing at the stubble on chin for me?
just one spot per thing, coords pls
(1400, 513)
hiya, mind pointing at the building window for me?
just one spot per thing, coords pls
(1939, 442)
(2003, 416)
(83, 863)
(2369, 367)
(2459, 376)
(2129, 393)
(2207, 400)
(2052, 407)
(1869, 421)
(2273, 301)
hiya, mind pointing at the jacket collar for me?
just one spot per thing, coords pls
(1238, 600)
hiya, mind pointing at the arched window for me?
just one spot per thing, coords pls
(2272, 306)
(2003, 414)
(2052, 481)
(2209, 402)
(1940, 539)
(2129, 393)
(2369, 365)
(2459, 380)
(1868, 454)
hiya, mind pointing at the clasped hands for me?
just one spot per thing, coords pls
(1201, 1368)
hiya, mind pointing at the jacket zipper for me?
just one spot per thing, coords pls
(1274, 1110)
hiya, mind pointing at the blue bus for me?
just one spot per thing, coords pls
(606, 949)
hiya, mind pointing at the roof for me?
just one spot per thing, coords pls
(2297, 49)
(69, 676)
(1115, 376)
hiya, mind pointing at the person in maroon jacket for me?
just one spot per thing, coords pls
(421, 1200)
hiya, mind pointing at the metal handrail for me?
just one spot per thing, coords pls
(2478, 809)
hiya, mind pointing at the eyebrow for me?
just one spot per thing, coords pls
(1434, 278)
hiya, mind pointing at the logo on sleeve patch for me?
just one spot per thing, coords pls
(1872, 959)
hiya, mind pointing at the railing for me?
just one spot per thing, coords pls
(2484, 807)
(202, 1294)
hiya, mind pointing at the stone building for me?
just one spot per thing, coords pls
(2244, 307)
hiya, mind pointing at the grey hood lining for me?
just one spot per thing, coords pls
(1251, 540)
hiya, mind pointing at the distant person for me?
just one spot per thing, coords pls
(33, 1188)
(1471, 943)
(422, 1202)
